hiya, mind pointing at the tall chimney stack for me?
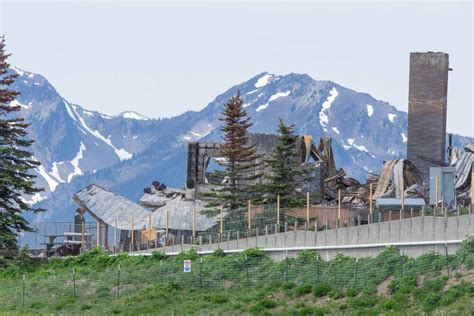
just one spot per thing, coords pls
(427, 107)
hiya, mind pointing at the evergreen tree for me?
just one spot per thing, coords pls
(239, 161)
(16, 162)
(284, 170)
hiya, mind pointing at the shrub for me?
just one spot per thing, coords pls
(369, 290)
(431, 301)
(314, 311)
(451, 295)
(308, 255)
(303, 290)
(253, 253)
(262, 305)
(219, 299)
(363, 301)
(288, 285)
(389, 304)
(465, 252)
(435, 285)
(336, 294)
(158, 255)
(268, 304)
(102, 290)
(191, 254)
(351, 292)
(218, 253)
(321, 289)
(405, 284)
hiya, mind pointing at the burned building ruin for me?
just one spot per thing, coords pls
(202, 154)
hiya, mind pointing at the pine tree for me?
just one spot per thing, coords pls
(239, 161)
(16, 162)
(284, 170)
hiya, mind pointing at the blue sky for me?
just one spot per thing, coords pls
(164, 58)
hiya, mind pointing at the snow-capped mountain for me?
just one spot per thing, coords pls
(127, 152)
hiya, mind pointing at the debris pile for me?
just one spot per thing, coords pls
(462, 161)
(159, 195)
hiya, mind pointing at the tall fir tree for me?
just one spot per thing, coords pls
(240, 163)
(284, 170)
(16, 162)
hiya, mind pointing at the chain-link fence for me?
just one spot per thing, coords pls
(100, 275)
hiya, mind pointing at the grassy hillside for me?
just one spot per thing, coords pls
(244, 283)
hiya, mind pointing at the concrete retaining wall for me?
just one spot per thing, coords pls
(413, 236)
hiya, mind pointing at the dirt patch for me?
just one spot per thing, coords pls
(382, 288)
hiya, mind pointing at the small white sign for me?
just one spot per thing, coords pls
(187, 266)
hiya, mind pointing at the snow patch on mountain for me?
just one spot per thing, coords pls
(370, 110)
(18, 71)
(391, 117)
(263, 80)
(404, 137)
(279, 95)
(55, 171)
(252, 92)
(360, 147)
(121, 153)
(335, 130)
(16, 103)
(323, 117)
(52, 183)
(75, 163)
(134, 116)
(273, 98)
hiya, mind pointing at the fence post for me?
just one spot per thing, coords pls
(278, 214)
(118, 281)
(200, 273)
(318, 272)
(161, 270)
(355, 272)
(447, 258)
(266, 235)
(401, 262)
(286, 267)
(23, 291)
(74, 283)
(247, 270)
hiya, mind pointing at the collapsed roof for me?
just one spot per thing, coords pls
(108, 207)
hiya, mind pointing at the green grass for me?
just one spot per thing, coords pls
(245, 283)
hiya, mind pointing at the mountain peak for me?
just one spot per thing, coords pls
(133, 115)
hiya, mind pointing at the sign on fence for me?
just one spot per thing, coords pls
(187, 266)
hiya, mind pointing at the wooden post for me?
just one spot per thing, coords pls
(402, 192)
(278, 213)
(339, 204)
(133, 234)
(307, 208)
(83, 243)
(98, 233)
(166, 228)
(115, 236)
(106, 236)
(149, 222)
(249, 223)
(194, 223)
(370, 198)
(222, 221)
